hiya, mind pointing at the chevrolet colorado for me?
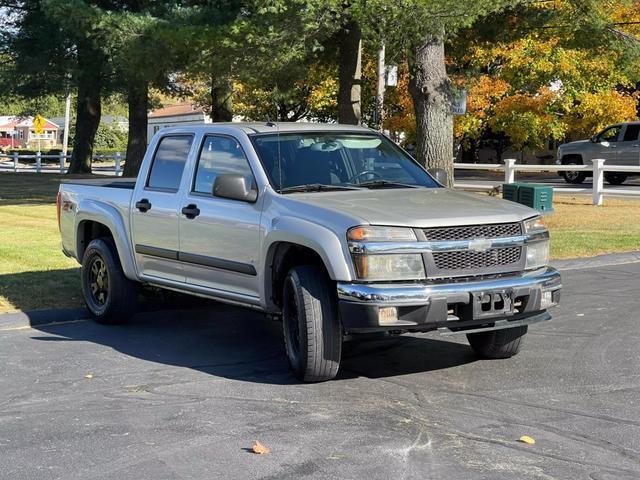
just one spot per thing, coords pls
(333, 228)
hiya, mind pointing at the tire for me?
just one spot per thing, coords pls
(573, 177)
(311, 324)
(615, 178)
(109, 295)
(503, 343)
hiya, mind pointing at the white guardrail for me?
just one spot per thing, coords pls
(598, 168)
(11, 162)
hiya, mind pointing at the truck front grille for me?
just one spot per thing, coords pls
(470, 260)
(471, 263)
(469, 232)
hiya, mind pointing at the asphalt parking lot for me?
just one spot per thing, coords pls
(184, 394)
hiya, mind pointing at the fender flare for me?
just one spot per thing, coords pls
(110, 217)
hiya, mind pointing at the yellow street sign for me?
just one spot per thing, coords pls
(38, 124)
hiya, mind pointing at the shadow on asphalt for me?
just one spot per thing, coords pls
(240, 344)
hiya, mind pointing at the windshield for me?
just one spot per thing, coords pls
(338, 160)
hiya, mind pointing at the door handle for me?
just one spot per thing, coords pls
(635, 145)
(191, 211)
(143, 205)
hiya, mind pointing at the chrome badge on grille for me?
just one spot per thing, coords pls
(480, 244)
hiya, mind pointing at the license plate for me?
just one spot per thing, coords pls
(493, 303)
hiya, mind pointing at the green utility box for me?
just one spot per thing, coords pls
(539, 197)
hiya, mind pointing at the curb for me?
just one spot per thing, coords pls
(35, 318)
(606, 260)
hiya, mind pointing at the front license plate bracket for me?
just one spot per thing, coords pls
(493, 303)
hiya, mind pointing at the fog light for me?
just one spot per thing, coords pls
(547, 300)
(387, 315)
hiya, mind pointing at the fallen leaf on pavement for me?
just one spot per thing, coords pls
(89, 376)
(527, 439)
(259, 448)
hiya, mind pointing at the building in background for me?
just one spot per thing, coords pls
(175, 115)
(117, 122)
(19, 132)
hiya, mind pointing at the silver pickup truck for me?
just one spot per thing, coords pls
(333, 228)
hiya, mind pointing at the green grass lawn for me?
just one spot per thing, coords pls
(578, 229)
(34, 274)
(33, 271)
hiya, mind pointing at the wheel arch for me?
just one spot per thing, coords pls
(98, 220)
(281, 257)
(567, 157)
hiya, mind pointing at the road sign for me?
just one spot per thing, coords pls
(38, 124)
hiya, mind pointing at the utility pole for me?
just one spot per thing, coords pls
(65, 138)
(381, 85)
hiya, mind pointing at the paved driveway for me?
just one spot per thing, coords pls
(182, 395)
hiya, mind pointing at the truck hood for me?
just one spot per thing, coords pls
(576, 143)
(417, 207)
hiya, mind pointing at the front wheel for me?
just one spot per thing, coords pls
(503, 343)
(311, 324)
(573, 177)
(109, 295)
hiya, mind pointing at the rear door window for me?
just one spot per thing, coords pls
(168, 162)
(631, 133)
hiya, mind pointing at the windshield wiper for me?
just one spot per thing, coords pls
(383, 184)
(314, 187)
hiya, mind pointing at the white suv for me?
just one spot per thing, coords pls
(617, 144)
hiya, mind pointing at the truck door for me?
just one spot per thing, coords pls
(219, 237)
(154, 213)
(628, 147)
(607, 144)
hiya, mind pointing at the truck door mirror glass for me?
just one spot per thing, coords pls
(234, 186)
(439, 174)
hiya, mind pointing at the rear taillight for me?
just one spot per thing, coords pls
(58, 205)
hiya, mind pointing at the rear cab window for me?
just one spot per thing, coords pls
(168, 163)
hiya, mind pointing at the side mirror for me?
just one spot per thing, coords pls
(235, 187)
(604, 143)
(594, 139)
(440, 175)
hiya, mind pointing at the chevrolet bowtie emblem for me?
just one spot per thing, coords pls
(480, 245)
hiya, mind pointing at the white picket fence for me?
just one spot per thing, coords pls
(598, 168)
(34, 163)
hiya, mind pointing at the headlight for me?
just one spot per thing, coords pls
(535, 224)
(537, 255)
(380, 234)
(389, 267)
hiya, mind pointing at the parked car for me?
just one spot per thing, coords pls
(617, 144)
(332, 228)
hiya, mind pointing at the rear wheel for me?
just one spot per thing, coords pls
(311, 324)
(109, 295)
(503, 343)
(615, 178)
(571, 176)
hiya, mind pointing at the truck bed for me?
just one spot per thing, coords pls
(126, 183)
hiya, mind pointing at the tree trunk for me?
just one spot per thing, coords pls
(88, 109)
(221, 104)
(430, 89)
(350, 74)
(138, 100)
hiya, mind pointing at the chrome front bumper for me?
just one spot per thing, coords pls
(429, 306)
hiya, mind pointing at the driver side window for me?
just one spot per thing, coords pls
(610, 135)
(219, 155)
